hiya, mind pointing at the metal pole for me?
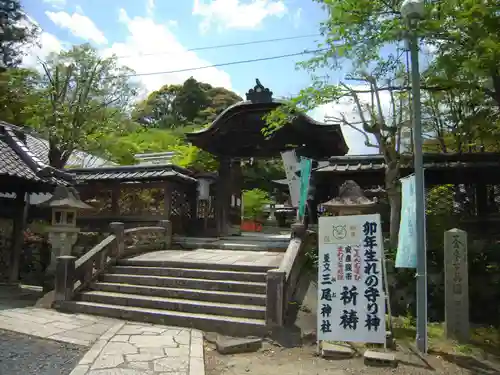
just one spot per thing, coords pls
(419, 197)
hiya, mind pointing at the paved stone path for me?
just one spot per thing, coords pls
(77, 329)
(116, 347)
(239, 257)
(141, 349)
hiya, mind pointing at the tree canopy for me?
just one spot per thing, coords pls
(81, 99)
(16, 30)
(460, 84)
(192, 102)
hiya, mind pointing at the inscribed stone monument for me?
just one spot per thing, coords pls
(456, 285)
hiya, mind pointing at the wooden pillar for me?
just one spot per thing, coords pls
(20, 216)
(168, 201)
(237, 182)
(223, 199)
(481, 200)
(115, 199)
(193, 207)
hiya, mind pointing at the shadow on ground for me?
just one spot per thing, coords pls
(469, 363)
(17, 296)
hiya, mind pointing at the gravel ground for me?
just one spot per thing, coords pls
(25, 355)
(303, 361)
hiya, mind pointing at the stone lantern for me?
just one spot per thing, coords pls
(271, 219)
(350, 201)
(204, 188)
(62, 231)
(203, 196)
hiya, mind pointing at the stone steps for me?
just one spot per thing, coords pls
(192, 294)
(229, 299)
(191, 273)
(185, 282)
(193, 265)
(212, 323)
(176, 304)
(241, 243)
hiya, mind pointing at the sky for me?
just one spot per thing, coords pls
(152, 36)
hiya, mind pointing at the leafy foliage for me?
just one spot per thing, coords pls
(81, 101)
(253, 203)
(16, 94)
(16, 30)
(192, 102)
(261, 173)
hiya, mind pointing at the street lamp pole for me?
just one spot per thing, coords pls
(412, 11)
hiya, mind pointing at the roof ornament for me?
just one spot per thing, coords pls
(259, 94)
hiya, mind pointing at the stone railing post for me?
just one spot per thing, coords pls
(298, 230)
(65, 278)
(167, 224)
(456, 285)
(118, 230)
(275, 291)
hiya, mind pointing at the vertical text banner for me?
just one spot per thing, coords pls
(351, 300)
(291, 166)
(305, 174)
(406, 256)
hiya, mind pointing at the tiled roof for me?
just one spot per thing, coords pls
(40, 148)
(78, 159)
(133, 173)
(432, 161)
(16, 160)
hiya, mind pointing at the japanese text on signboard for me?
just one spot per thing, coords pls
(351, 295)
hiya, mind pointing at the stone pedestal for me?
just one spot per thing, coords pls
(456, 285)
(62, 240)
(271, 220)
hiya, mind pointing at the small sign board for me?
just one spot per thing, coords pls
(351, 298)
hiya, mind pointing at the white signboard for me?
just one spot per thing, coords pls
(351, 300)
(291, 166)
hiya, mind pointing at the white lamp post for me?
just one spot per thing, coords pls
(413, 11)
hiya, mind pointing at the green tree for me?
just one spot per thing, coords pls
(192, 103)
(459, 119)
(467, 42)
(253, 203)
(81, 101)
(159, 110)
(17, 92)
(357, 31)
(16, 30)
(189, 156)
(190, 100)
(261, 173)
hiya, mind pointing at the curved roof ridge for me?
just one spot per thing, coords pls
(32, 161)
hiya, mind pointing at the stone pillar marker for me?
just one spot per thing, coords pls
(456, 274)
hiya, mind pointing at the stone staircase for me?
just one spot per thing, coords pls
(224, 298)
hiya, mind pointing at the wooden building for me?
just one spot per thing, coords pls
(139, 195)
(21, 174)
(471, 181)
(237, 134)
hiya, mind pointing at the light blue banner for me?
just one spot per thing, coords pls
(406, 256)
(305, 174)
